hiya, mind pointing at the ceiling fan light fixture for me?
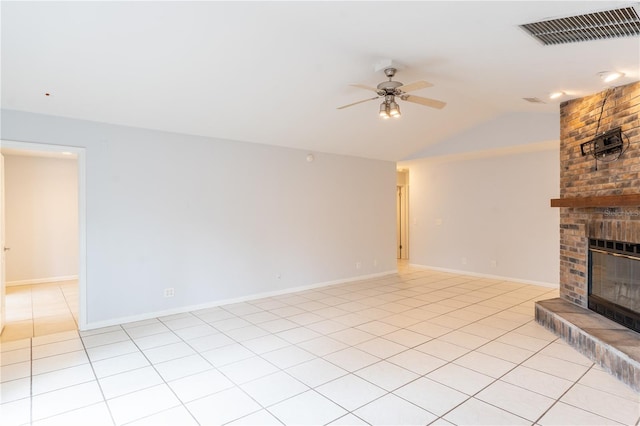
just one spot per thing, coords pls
(394, 109)
(384, 110)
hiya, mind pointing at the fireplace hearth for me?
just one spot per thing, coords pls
(614, 281)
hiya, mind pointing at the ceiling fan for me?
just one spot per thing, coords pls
(389, 90)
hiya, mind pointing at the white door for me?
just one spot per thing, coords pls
(402, 213)
(2, 247)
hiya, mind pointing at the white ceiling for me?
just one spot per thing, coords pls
(274, 72)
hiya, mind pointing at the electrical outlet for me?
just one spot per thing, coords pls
(464, 260)
(494, 263)
(169, 292)
(375, 263)
(358, 265)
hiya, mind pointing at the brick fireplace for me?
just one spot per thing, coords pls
(578, 178)
(599, 201)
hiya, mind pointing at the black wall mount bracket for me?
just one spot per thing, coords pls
(607, 143)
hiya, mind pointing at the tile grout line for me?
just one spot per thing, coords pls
(480, 390)
(58, 389)
(563, 394)
(159, 375)
(66, 301)
(310, 388)
(360, 289)
(574, 384)
(104, 399)
(449, 362)
(237, 385)
(420, 376)
(452, 361)
(498, 379)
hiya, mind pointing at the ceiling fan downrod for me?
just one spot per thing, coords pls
(390, 72)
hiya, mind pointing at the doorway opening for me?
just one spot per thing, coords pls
(44, 231)
(402, 214)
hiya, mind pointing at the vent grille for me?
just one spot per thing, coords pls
(534, 100)
(592, 26)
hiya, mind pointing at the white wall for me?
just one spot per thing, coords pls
(505, 131)
(467, 211)
(489, 188)
(216, 219)
(41, 208)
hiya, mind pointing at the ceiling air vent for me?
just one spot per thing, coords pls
(534, 100)
(591, 26)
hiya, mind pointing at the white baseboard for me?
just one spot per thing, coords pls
(479, 275)
(41, 280)
(183, 309)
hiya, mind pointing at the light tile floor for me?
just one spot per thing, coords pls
(40, 309)
(418, 347)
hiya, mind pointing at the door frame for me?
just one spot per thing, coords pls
(82, 214)
(402, 216)
(3, 249)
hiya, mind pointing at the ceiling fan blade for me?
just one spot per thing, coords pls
(424, 101)
(356, 103)
(415, 86)
(362, 86)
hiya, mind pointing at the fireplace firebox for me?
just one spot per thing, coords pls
(614, 281)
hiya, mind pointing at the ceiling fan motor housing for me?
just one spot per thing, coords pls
(389, 88)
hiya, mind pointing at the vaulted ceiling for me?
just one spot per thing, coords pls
(274, 72)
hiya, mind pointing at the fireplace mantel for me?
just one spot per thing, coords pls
(625, 200)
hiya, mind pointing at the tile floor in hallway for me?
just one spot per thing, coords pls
(40, 309)
(419, 347)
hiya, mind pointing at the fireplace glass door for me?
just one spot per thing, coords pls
(614, 281)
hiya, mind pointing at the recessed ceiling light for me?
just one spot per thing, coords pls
(66, 153)
(609, 76)
(556, 95)
(534, 100)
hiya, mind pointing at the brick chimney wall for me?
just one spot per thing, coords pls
(579, 178)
